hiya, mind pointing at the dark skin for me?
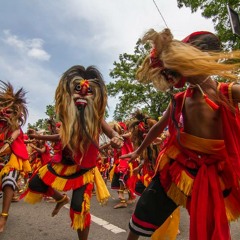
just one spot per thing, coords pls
(199, 119)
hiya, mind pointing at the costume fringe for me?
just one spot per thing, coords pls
(111, 173)
(26, 166)
(15, 163)
(32, 197)
(176, 195)
(182, 178)
(81, 220)
(232, 208)
(102, 192)
(186, 183)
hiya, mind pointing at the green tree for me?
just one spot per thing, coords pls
(43, 123)
(217, 11)
(131, 94)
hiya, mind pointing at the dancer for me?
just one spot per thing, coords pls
(13, 152)
(122, 170)
(199, 167)
(80, 102)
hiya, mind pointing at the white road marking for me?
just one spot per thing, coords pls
(103, 223)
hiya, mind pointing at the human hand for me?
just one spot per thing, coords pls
(117, 142)
(132, 156)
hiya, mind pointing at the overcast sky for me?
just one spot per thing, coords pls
(41, 39)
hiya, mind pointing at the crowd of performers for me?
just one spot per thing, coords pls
(28, 156)
(189, 157)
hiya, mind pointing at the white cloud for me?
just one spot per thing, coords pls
(31, 47)
(42, 40)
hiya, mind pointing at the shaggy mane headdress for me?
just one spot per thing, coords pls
(15, 101)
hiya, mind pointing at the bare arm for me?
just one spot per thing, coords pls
(116, 140)
(10, 140)
(154, 132)
(108, 130)
(40, 150)
(51, 138)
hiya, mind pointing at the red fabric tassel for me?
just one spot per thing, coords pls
(208, 214)
(211, 104)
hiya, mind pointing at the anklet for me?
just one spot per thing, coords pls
(62, 199)
(4, 215)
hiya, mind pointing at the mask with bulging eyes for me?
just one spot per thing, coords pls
(6, 113)
(82, 91)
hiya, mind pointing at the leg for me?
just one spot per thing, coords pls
(61, 200)
(82, 225)
(132, 236)
(83, 234)
(131, 197)
(9, 184)
(123, 202)
(7, 198)
(37, 185)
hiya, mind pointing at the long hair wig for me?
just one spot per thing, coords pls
(186, 60)
(80, 126)
(14, 101)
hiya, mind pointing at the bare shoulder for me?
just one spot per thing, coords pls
(236, 92)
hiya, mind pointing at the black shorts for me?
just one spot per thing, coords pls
(152, 209)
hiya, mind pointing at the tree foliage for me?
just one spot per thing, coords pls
(217, 11)
(133, 95)
(42, 124)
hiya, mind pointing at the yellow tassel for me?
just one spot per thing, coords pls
(176, 195)
(14, 162)
(102, 192)
(26, 166)
(112, 172)
(33, 198)
(78, 222)
(80, 218)
(185, 183)
(231, 212)
(165, 157)
(88, 177)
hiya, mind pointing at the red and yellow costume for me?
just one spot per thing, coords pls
(202, 175)
(73, 165)
(14, 157)
(122, 170)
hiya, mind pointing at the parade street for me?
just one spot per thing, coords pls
(34, 222)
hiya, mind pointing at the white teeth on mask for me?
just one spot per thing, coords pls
(81, 100)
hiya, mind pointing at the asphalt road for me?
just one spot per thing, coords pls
(34, 222)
